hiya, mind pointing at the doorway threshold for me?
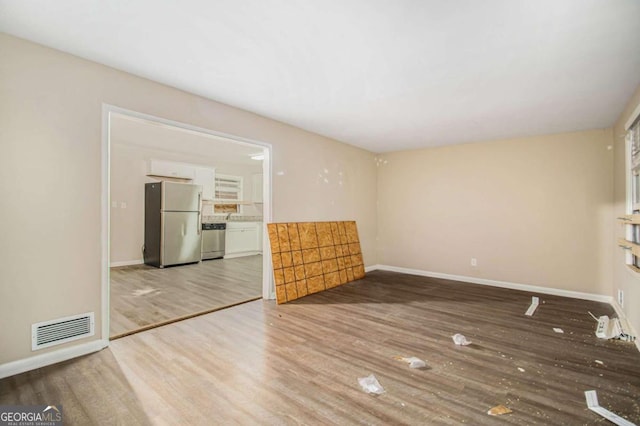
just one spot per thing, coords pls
(181, 318)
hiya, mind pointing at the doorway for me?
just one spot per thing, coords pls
(137, 296)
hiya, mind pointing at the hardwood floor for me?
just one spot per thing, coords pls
(143, 296)
(298, 363)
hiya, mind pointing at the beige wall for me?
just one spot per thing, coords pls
(129, 164)
(50, 182)
(531, 211)
(623, 278)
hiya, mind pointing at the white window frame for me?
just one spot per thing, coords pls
(632, 231)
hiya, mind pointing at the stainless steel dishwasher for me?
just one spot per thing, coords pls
(213, 239)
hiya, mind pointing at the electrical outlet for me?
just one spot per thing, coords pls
(621, 298)
(474, 261)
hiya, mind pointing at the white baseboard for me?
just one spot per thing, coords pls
(618, 309)
(127, 263)
(502, 284)
(48, 358)
(371, 268)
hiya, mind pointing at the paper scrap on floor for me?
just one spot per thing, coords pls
(532, 308)
(592, 404)
(143, 291)
(499, 410)
(413, 361)
(460, 340)
(558, 330)
(370, 384)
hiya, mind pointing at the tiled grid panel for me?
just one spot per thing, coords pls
(309, 257)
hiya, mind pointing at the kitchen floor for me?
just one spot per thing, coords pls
(144, 296)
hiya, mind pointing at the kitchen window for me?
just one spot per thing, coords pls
(228, 194)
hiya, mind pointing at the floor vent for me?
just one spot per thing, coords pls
(62, 330)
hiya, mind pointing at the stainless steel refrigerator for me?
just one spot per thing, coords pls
(172, 228)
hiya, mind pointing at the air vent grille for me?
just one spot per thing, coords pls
(55, 332)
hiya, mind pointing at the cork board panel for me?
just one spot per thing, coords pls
(309, 257)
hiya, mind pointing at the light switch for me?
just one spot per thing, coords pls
(114, 204)
(123, 205)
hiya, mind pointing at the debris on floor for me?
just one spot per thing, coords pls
(599, 362)
(412, 361)
(592, 404)
(520, 369)
(143, 291)
(532, 308)
(558, 330)
(499, 410)
(611, 328)
(459, 339)
(370, 384)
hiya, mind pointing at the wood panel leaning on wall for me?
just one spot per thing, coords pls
(309, 257)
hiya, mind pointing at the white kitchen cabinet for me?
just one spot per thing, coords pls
(243, 239)
(256, 180)
(206, 177)
(172, 169)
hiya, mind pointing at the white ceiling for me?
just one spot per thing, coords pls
(382, 75)
(159, 137)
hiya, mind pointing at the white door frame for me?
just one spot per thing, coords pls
(268, 290)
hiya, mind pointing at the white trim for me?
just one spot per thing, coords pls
(616, 307)
(185, 126)
(127, 263)
(632, 118)
(628, 233)
(105, 223)
(502, 284)
(628, 184)
(627, 164)
(371, 268)
(48, 358)
(268, 288)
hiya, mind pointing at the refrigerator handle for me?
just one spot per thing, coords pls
(199, 224)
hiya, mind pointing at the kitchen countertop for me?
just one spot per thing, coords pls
(222, 219)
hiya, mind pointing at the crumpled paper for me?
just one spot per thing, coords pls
(413, 361)
(371, 385)
(459, 339)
